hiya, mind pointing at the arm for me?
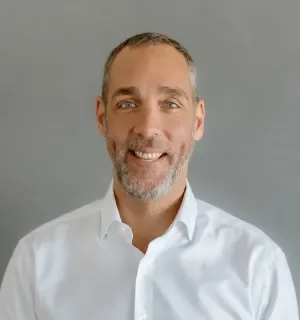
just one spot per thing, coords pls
(16, 293)
(278, 297)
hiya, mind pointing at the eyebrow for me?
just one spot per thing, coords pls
(128, 91)
(125, 91)
(174, 92)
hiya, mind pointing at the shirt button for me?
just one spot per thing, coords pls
(144, 316)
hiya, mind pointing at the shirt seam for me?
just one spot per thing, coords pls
(270, 267)
(31, 266)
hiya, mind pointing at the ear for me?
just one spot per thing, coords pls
(100, 115)
(199, 123)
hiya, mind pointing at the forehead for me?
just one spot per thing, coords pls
(147, 67)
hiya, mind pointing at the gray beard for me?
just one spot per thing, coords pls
(134, 186)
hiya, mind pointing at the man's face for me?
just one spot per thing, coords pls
(151, 119)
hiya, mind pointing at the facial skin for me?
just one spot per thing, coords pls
(151, 109)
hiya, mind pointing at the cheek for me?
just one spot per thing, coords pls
(117, 130)
(181, 138)
(181, 132)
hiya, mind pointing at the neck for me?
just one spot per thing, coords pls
(149, 218)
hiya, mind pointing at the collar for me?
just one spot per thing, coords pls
(186, 215)
(188, 211)
(109, 211)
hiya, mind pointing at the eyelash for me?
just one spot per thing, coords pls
(130, 102)
(174, 103)
(124, 102)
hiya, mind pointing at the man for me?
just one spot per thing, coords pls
(148, 249)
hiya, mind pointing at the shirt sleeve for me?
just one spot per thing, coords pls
(16, 292)
(278, 297)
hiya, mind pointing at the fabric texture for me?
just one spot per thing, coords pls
(209, 265)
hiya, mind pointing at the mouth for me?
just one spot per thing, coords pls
(147, 156)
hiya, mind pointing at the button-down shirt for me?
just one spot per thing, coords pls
(209, 265)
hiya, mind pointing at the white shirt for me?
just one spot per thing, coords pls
(209, 265)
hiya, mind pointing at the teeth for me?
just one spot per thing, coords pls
(147, 156)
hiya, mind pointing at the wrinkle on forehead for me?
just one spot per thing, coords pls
(150, 67)
(166, 90)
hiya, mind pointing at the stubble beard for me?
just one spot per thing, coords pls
(139, 184)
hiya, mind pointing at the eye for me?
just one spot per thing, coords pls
(126, 105)
(171, 105)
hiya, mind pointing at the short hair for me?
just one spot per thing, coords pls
(144, 39)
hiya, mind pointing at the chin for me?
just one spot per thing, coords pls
(146, 188)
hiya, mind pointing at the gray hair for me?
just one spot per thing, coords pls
(144, 39)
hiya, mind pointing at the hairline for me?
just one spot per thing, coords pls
(147, 39)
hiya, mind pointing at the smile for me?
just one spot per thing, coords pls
(147, 156)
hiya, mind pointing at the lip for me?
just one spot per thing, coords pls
(146, 164)
(149, 150)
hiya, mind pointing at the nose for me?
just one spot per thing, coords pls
(148, 121)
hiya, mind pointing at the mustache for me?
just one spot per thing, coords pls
(152, 142)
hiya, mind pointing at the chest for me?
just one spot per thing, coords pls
(128, 285)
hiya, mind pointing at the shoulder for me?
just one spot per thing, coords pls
(73, 224)
(235, 234)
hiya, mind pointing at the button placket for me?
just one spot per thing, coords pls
(143, 290)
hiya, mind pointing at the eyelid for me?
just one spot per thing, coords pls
(119, 104)
(173, 102)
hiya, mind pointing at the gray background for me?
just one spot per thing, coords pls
(52, 158)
